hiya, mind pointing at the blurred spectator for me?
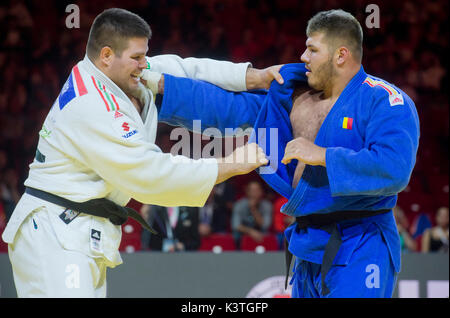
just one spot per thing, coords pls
(9, 193)
(420, 224)
(214, 215)
(3, 220)
(436, 238)
(252, 215)
(432, 73)
(177, 226)
(37, 51)
(20, 11)
(3, 160)
(175, 45)
(206, 215)
(249, 47)
(216, 46)
(280, 221)
(406, 240)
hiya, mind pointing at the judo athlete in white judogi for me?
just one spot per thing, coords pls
(98, 141)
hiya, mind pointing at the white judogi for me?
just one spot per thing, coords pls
(94, 144)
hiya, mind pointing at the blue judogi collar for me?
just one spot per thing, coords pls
(274, 114)
(273, 124)
(367, 163)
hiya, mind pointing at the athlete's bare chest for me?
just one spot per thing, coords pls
(308, 113)
(307, 116)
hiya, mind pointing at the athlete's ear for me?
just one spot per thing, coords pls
(106, 55)
(342, 55)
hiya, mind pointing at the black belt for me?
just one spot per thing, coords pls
(105, 208)
(326, 222)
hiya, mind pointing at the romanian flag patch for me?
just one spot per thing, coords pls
(347, 123)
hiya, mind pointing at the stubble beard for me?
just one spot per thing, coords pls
(128, 90)
(324, 75)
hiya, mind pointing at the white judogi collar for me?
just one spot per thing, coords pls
(110, 85)
(90, 67)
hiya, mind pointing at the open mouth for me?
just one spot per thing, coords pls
(308, 72)
(136, 77)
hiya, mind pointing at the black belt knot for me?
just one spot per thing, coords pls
(326, 222)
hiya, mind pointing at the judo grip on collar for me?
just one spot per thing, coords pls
(103, 207)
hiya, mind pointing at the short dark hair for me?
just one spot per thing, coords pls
(340, 28)
(113, 27)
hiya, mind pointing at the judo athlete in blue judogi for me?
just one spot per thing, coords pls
(340, 153)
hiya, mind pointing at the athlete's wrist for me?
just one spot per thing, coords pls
(261, 79)
(161, 85)
(251, 78)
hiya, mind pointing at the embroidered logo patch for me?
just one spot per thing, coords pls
(396, 99)
(131, 133)
(68, 216)
(96, 235)
(347, 123)
(125, 127)
(95, 240)
(44, 132)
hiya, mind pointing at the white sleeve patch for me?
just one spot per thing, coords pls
(125, 128)
(396, 99)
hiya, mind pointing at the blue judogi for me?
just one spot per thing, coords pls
(371, 135)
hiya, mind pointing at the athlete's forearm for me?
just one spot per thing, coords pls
(225, 171)
(224, 74)
(241, 161)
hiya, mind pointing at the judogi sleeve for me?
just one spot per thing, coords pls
(186, 100)
(227, 75)
(383, 167)
(117, 151)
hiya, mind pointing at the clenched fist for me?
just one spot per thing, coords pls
(304, 151)
(242, 161)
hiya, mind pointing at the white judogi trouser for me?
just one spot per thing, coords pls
(59, 268)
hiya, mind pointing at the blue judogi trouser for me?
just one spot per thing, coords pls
(369, 272)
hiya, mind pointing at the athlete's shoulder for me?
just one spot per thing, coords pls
(99, 96)
(84, 93)
(74, 88)
(382, 90)
(389, 100)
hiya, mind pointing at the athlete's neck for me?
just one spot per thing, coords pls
(136, 103)
(340, 81)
